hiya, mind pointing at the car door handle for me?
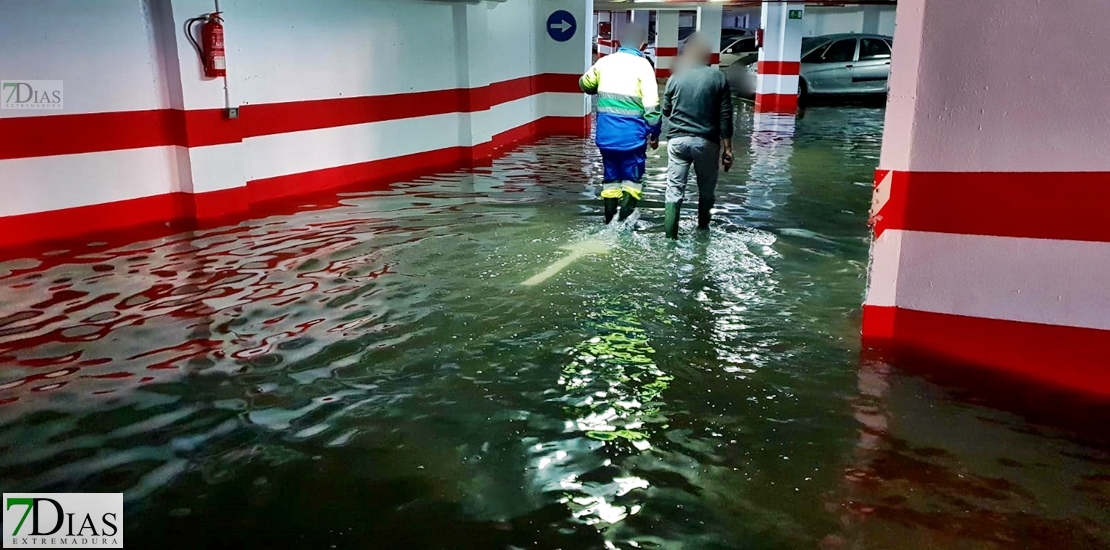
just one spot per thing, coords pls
(849, 66)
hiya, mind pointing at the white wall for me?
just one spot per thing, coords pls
(104, 51)
(292, 50)
(854, 19)
(123, 58)
(977, 118)
(516, 29)
(818, 20)
(109, 59)
(745, 18)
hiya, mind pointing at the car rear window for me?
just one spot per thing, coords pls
(743, 45)
(747, 59)
(841, 51)
(811, 42)
(815, 55)
(872, 49)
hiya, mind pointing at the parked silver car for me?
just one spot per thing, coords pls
(733, 49)
(836, 64)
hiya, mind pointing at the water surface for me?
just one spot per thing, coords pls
(373, 374)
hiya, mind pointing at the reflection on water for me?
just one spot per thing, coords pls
(924, 481)
(612, 392)
(369, 371)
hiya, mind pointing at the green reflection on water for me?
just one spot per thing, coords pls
(615, 375)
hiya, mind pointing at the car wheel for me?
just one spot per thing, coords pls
(803, 90)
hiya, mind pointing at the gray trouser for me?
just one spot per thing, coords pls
(704, 155)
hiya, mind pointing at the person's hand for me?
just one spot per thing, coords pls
(726, 159)
(653, 143)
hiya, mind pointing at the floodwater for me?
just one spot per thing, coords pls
(370, 372)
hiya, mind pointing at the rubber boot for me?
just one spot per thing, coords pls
(670, 219)
(610, 209)
(704, 210)
(628, 206)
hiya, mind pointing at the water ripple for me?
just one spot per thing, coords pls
(376, 351)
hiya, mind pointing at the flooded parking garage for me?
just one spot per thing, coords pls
(370, 371)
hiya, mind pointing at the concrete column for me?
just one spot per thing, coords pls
(620, 19)
(990, 242)
(568, 113)
(710, 17)
(204, 167)
(472, 51)
(641, 18)
(776, 89)
(872, 18)
(605, 41)
(666, 42)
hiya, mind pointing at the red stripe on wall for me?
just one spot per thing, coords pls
(512, 90)
(214, 205)
(666, 52)
(715, 59)
(1040, 205)
(297, 116)
(183, 210)
(39, 136)
(788, 68)
(210, 127)
(1068, 357)
(370, 174)
(112, 216)
(280, 118)
(377, 172)
(662, 73)
(786, 104)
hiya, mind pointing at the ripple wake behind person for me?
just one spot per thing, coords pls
(628, 119)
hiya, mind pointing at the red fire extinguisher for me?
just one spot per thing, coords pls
(211, 47)
(759, 38)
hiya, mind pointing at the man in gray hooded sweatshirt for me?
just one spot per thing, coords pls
(697, 105)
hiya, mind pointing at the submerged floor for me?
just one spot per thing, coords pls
(375, 375)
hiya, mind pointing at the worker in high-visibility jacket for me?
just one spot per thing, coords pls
(628, 120)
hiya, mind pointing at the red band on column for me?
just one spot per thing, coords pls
(1040, 205)
(788, 68)
(786, 104)
(1069, 357)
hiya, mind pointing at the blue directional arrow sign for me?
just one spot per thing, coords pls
(561, 26)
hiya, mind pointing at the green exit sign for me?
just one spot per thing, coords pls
(795, 14)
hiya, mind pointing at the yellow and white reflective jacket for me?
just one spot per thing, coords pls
(627, 100)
